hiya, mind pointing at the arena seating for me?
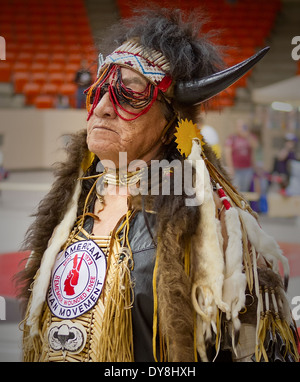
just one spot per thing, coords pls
(45, 43)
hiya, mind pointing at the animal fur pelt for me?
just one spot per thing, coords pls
(59, 237)
(208, 256)
(269, 279)
(51, 211)
(235, 279)
(175, 309)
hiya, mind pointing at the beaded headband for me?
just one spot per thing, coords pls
(149, 62)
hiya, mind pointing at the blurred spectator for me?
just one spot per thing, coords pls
(62, 102)
(239, 154)
(83, 79)
(293, 187)
(260, 185)
(3, 172)
(282, 160)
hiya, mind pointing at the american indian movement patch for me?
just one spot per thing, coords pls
(77, 279)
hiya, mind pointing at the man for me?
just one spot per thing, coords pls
(83, 79)
(123, 270)
(239, 156)
(282, 161)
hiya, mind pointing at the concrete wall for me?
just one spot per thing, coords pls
(32, 138)
(225, 122)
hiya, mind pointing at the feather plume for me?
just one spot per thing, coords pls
(265, 245)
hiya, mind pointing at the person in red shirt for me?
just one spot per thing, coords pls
(239, 152)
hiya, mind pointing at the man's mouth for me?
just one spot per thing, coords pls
(104, 128)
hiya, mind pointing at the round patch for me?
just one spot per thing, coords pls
(77, 279)
(67, 336)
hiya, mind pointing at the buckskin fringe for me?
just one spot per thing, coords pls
(119, 300)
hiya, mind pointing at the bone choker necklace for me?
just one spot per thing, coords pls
(120, 178)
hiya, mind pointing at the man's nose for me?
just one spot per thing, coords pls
(105, 107)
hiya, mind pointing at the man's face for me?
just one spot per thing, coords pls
(108, 134)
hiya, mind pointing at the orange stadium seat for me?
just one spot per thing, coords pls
(58, 58)
(73, 49)
(18, 66)
(50, 29)
(28, 48)
(23, 38)
(44, 101)
(54, 39)
(12, 47)
(55, 67)
(11, 57)
(31, 91)
(19, 79)
(37, 28)
(38, 67)
(69, 90)
(71, 67)
(41, 34)
(38, 38)
(42, 48)
(26, 57)
(21, 27)
(69, 77)
(56, 78)
(43, 58)
(74, 58)
(39, 78)
(49, 89)
(5, 71)
(57, 48)
(70, 39)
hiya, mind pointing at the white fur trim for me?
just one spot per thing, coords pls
(209, 274)
(264, 244)
(235, 280)
(41, 284)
